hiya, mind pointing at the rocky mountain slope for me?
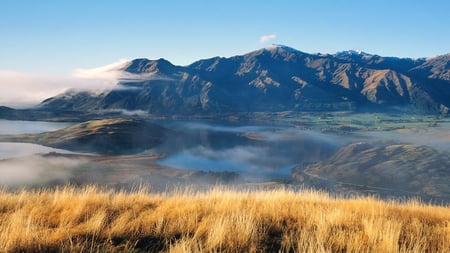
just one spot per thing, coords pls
(276, 78)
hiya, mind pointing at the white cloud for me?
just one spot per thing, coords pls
(24, 89)
(111, 72)
(266, 38)
(21, 90)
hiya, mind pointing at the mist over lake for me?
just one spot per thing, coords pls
(14, 150)
(257, 152)
(199, 152)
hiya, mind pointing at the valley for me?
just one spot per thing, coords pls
(275, 115)
(225, 126)
(319, 151)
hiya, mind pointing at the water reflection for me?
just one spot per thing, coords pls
(256, 152)
(14, 150)
(29, 127)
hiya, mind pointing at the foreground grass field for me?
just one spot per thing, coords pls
(220, 220)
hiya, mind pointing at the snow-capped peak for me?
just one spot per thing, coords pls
(352, 52)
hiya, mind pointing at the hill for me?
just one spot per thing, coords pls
(106, 136)
(400, 169)
(276, 78)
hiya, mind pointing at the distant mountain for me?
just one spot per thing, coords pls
(5, 111)
(276, 78)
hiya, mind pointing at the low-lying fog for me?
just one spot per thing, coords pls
(15, 150)
(34, 170)
(435, 137)
(255, 152)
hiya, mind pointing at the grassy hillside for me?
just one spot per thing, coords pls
(106, 136)
(91, 220)
(392, 170)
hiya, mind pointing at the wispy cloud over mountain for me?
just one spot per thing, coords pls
(115, 72)
(24, 89)
(110, 72)
(266, 38)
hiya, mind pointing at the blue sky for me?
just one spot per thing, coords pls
(57, 36)
(48, 46)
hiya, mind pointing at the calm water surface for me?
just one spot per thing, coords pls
(29, 127)
(10, 150)
(257, 152)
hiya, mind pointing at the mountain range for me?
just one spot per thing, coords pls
(276, 78)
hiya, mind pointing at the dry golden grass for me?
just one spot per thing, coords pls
(93, 220)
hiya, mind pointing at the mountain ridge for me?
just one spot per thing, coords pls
(275, 78)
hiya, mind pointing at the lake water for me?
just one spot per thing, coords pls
(256, 152)
(14, 150)
(10, 150)
(29, 127)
